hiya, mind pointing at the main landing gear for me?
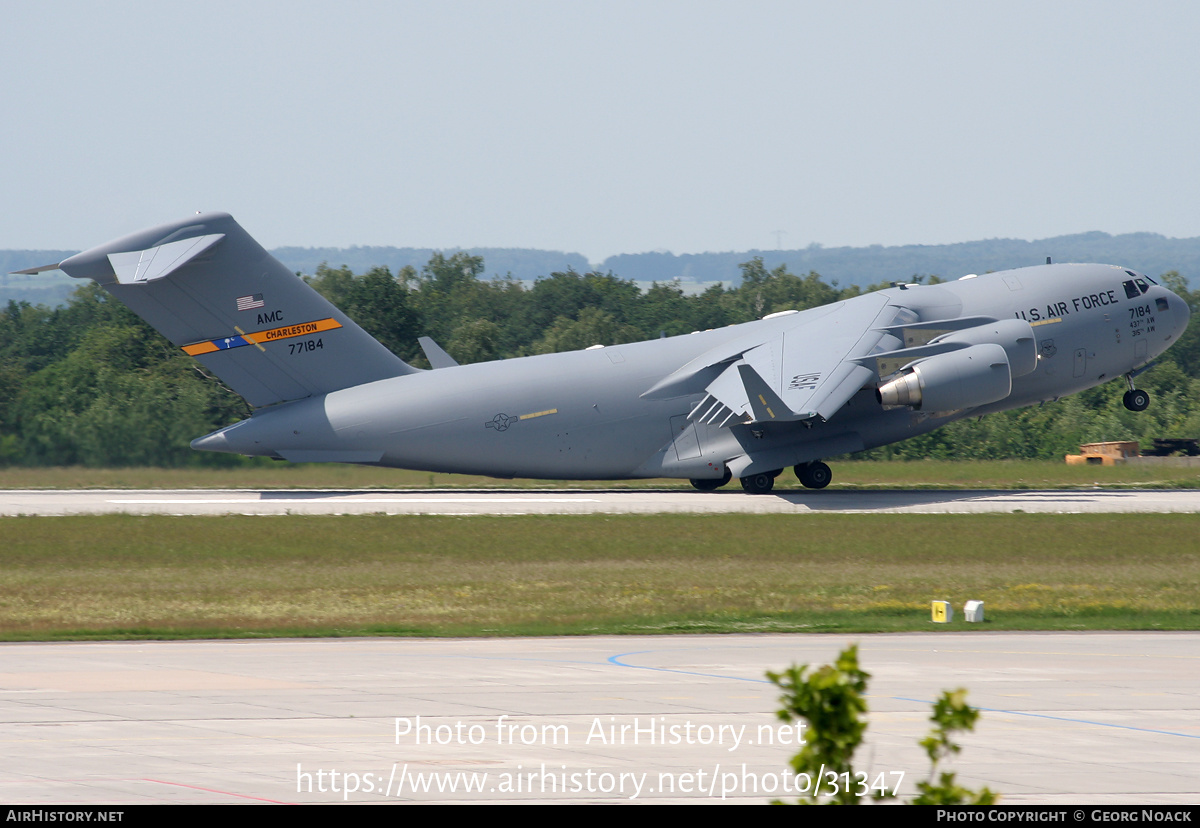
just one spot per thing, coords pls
(760, 483)
(710, 484)
(1135, 399)
(814, 475)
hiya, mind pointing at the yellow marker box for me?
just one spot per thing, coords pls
(943, 613)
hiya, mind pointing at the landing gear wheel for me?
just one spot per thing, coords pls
(1136, 399)
(814, 475)
(758, 483)
(711, 484)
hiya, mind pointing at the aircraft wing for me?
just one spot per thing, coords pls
(803, 372)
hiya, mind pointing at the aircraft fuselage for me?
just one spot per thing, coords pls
(585, 414)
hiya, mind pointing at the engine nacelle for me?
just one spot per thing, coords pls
(1015, 336)
(971, 377)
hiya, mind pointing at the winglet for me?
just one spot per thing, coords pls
(434, 353)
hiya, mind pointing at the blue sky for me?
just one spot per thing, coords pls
(600, 127)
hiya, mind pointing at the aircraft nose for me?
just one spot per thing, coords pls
(1181, 313)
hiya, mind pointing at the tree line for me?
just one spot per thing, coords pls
(89, 383)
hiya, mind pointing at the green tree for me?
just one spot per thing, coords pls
(951, 714)
(477, 341)
(663, 309)
(593, 327)
(568, 294)
(448, 293)
(380, 303)
(831, 701)
(763, 292)
(121, 398)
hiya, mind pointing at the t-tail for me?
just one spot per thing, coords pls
(211, 289)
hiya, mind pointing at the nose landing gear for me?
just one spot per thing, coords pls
(1135, 399)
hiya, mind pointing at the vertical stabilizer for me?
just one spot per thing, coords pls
(212, 290)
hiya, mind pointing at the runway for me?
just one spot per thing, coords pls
(1093, 718)
(1090, 718)
(588, 501)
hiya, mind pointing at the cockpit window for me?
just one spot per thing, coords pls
(1142, 285)
(1131, 291)
(1139, 279)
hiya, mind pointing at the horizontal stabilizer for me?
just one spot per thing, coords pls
(147, 265)
(31, 271)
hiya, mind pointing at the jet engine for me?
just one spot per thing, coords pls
(966, 378)
(1015, 336)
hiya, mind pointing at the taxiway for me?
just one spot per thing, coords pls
(1086, 718)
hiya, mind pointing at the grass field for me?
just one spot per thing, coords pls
(1003, 474)
(125, 576)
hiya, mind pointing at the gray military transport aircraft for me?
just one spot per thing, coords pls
(744, 401)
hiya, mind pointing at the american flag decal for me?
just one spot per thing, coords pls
(250, 302)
